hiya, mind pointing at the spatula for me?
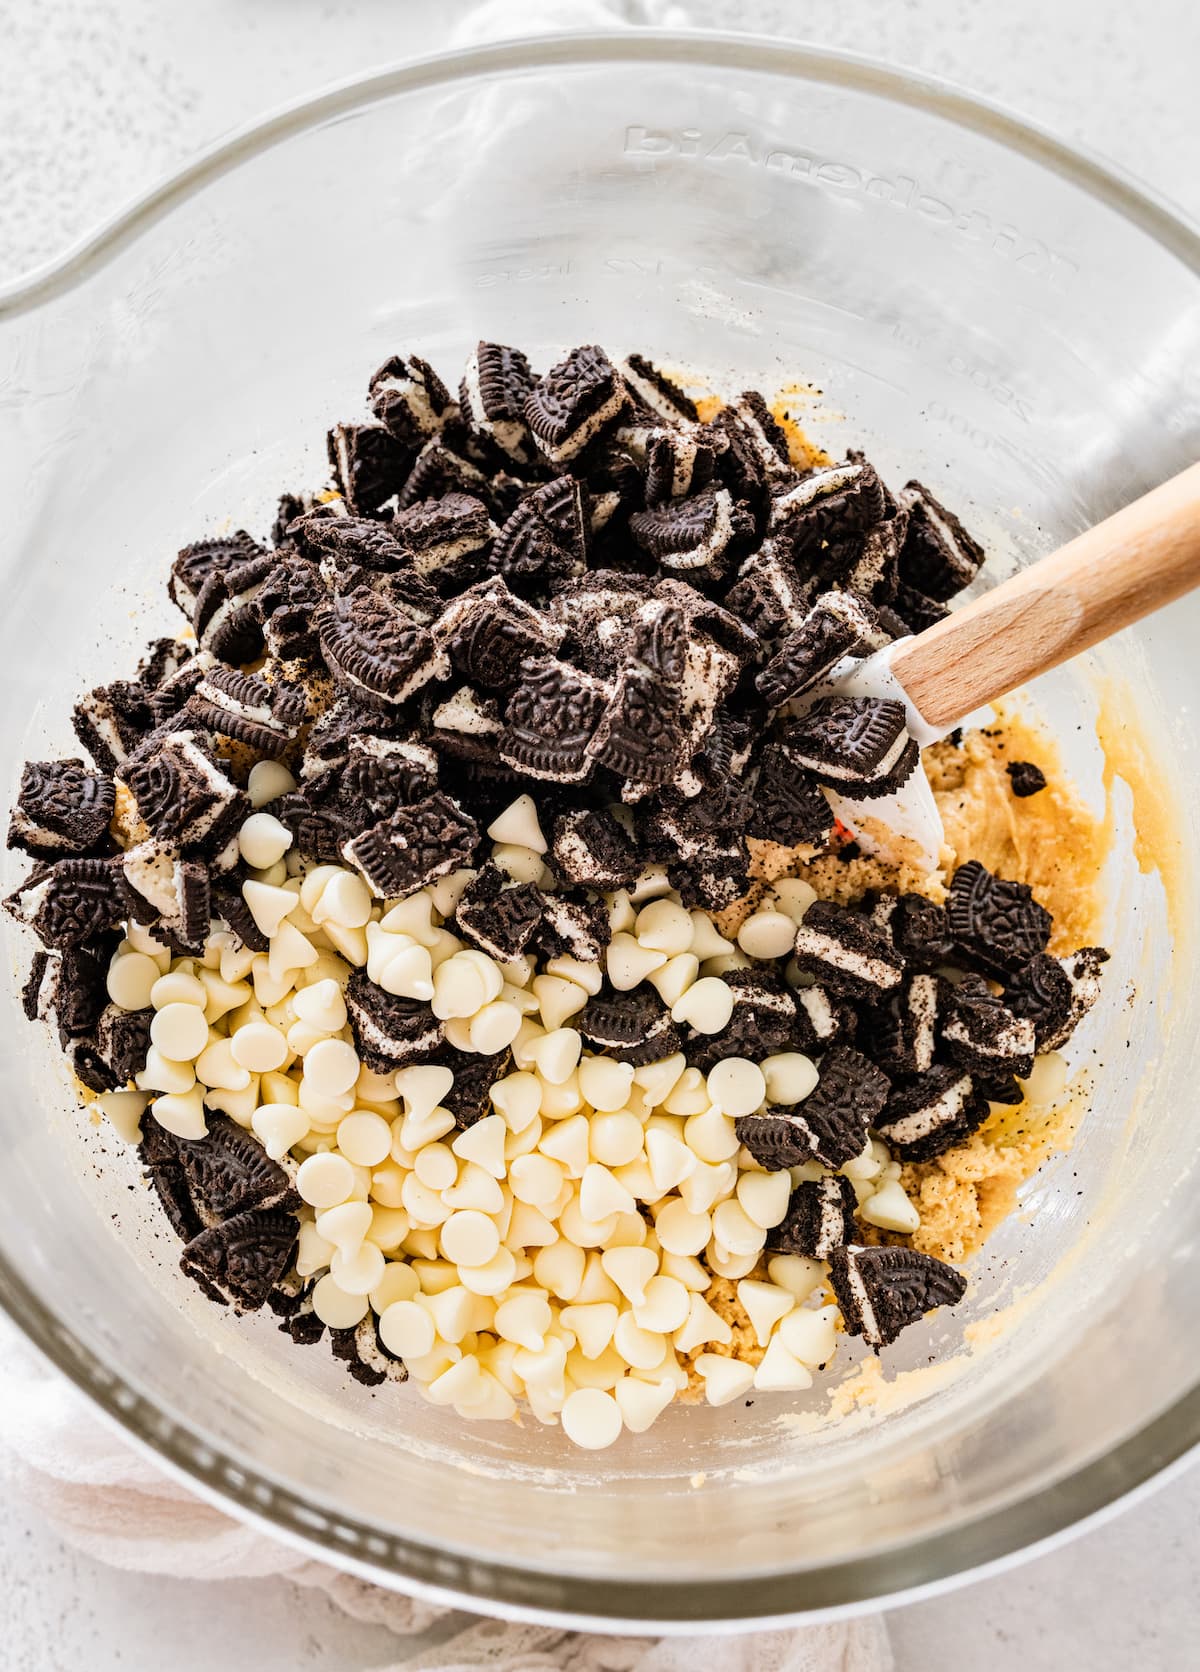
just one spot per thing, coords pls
(1139, 559)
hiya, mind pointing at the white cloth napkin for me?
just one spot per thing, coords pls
(114, 1504)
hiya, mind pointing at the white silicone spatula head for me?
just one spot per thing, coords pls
(1136, 561)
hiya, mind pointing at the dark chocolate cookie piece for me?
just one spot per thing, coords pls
(634, 1027)
(691, 536)
(641, 736)
(341, 544)
(239, 1261)
(195, 563)
(265, 716)
(495, 387)
(575, 401)
(982, 1034)
(919, 932)
(996, 925)
(820, 1218)
(447, 541)
(938, 557)
(838, 625)
(882, 1290)
(1026, 778)
(364, 1354)
(1056, 993)
(589, 849)
(72, 901)
(788, 805)
(930, 1113)
(112, 721)
(899, 1031)
(497, 916)
(389, 1032)
(850, 742)
(286, 604)
(545, 539)
(381, 774)
(551, 719)
(181, 793)
(488, 634)
(369, 465)
(847, 952)
(373, 650)
(823, 1018)
(573, 928)
(469, 1098)
(414, 846)
(230, 908)
(653, 390)
(763, 1020)
(410, 400)
(62, 807)
(229, 1171)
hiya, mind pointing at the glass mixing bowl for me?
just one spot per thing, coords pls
(974, 305)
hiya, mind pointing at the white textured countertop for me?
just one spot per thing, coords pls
(99, 98)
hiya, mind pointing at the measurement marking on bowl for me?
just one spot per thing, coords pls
(898, 191)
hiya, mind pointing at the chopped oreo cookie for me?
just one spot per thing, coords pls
(690, 536)
(641, 736)
(1026, 778)
(373, 650)
(71, 901)
(414, 846)
(837, 625)
(545, 538)
(763, 1020)
(342, 545)
(551, 719)
(854, 744)
(996, 925)
(928, 1114)
(1055, 994)
(381, 774)
(770, 595)
(822, 1019)
(489, 634)
(389, 1032)
(448, 541)
(575, 401)
(656, 392)
(497, 916)
(635, 1027)
(180, 792)
(495, 387)
(369, 465)
(239, 1261)
(982, 1034)
(265, 716)
(363, 1353)
(470, 1096)
(938, 557)
(831, 1125)
(900, 1031)
(882, 1290)
(826, 506)
(788, 805)
(919, 932)
(286, 604)
(846, 952)
(589, 849)
(410, 400)
(112, 721)
(576, 929)
(62, 807)
(225, 620)
(439, 470)
(820, 1218)
(196, 563)
(468, 726)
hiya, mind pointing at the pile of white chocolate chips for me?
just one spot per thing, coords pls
(551, 1252)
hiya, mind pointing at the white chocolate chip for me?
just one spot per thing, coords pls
(494, 1027)
(365, 1139)
(218, 1068)
(529, 1228)
(268, 780)
(335, 1307)
(345, 900)
(671, 1161)
(728, 1265)
(628, 962)
(707, 1184)
(483, 1143)
(737, 1086)
(268, 905)
(588, 976)
(711, 1135)
(464, 983)
(536, 1179)
(764, 1198)
(447, 891)
(568, 1142)
(263, 840)
(790, 1077)
(518, 1098)
(124, 1109)
(767, 934)
(651, 884)
(793, 896)
(289, 951)
(642, 1402)
(423, 1086)
(591, 1418)
(325, 1180)
(664, 926)
(556, 1055)
(707, 1005)
(725, 1379)
(259, 1047)
(601, 1195)
(621, 913)
(518, 824)
(703, 1325)
(672, 981)
(764, 1304)
(278, 1126)
(643, 1349)
(810, 1336)
(560, 1268)
(357, 1273)
(605, 1083)
(399, 1282)
(177, 987)
(406, 1329)
(664, 1307)
(631, 1270)
(557, 999)
(681, 1231)
(735, 1230)
(179, 1031)
(707, 940)
(181, 1113)
(494, 1276)
(519, 863)
(615, 1137)
(689, 1095)
(890, 1209)
(130, 980)
(331, 1067)
(798, 1275)
(778, 1370)
(658, 1079)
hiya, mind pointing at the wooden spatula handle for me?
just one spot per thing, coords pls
(1135, 562)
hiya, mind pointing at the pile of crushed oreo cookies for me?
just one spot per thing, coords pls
(571, 586)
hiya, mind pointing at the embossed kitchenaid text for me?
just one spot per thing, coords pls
(898, 191)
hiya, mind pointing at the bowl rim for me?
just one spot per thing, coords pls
(995, 1538)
